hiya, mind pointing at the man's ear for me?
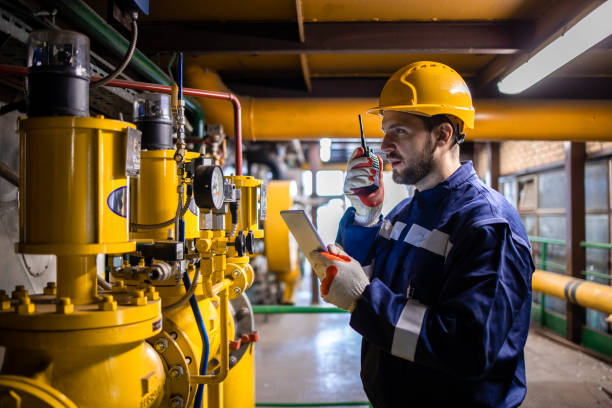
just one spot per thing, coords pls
(444, 133)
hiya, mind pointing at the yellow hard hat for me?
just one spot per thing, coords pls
(427, 88)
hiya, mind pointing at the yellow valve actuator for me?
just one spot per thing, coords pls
(73, 186)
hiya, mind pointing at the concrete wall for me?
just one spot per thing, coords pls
(13, 269)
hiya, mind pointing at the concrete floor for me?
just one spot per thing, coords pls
(315, 358)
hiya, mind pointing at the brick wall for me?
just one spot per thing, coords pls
(520, 155)
(594, 147)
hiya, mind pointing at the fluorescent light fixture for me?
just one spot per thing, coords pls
(593, 28)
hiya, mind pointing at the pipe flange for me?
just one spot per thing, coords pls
(177, 372)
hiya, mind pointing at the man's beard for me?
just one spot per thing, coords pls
(419, 168)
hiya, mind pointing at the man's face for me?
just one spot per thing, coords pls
(408, 145)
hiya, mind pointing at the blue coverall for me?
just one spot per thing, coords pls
(445, 317)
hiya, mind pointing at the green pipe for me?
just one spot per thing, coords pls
(543, 295)
(543, 240)
(314, 404)
(597, 275)
(281, 309)
(599, 245)
(88, 21)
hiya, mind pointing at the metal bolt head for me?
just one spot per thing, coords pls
(138, 299)
(64, 306)
(152, 293)
(176, 371)
(236, 273)
(50, 289)
(119, 286)
(176, 402)
(5, 304)
(232, 361)
(19, 292)
(237, 290)
(108, 304)
(25, 306)
(161, 345)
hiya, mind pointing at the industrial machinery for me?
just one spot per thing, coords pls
(172, 327)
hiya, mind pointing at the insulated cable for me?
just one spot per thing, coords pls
(126, 59)
(185, 298)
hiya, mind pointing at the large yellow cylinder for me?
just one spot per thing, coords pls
(122, 376)
(96, 355)
(73, 186)
(155, 196)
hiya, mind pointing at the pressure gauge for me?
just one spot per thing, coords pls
(208, 187)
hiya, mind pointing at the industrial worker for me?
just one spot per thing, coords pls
(440, 288)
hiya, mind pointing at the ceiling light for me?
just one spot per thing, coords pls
(593, 28)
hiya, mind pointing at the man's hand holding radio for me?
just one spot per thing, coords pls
(363, 174)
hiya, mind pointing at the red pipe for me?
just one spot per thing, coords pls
(145, 86)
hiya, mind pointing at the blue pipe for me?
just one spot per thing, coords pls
(205, 344)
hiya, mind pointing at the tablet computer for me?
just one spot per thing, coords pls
(305, 234)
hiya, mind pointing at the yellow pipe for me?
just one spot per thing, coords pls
(77, 278)
(224, 339)
(315, 118)
(586, 294)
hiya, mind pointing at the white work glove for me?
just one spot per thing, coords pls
(360, 174)
(342, 277)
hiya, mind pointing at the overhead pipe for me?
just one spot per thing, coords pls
(144, 86)
(496, 119)
(579, 291)
(90, 23)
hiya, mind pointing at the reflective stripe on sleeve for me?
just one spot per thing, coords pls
(385, 229)
(407, 330)
(398, 227)
(434, 241)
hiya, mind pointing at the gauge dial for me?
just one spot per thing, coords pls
(208, 187)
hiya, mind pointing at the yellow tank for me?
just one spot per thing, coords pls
(155, 197)
(280, 247)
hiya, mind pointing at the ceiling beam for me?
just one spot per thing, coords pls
(359, 37)
(560, 16)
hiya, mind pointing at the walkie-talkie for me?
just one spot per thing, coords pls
(375, 165)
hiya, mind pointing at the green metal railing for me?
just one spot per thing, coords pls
(595, 339)
(545, 263)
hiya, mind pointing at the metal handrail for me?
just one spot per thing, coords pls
(583, 244)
